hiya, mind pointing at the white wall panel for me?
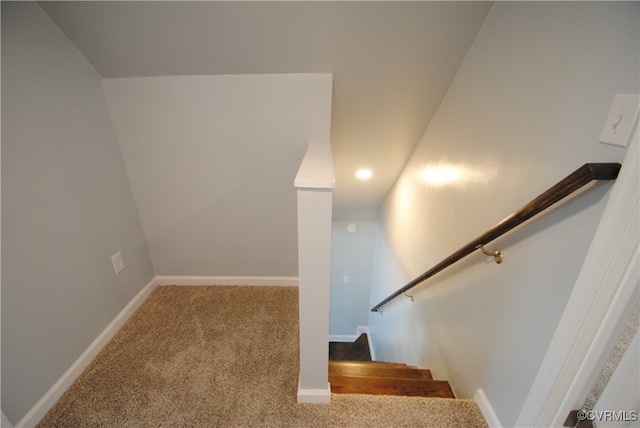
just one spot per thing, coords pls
(66, 208)
(525, 110)
(211, 161)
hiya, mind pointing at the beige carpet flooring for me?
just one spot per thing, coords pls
(224, 357)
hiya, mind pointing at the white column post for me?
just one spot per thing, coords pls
(314, 183)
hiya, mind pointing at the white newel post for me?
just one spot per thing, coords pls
(315, 181)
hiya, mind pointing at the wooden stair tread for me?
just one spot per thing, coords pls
(370, 369)
(390, 386)
(351, 371)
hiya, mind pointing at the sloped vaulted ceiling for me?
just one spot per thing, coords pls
(392, 63)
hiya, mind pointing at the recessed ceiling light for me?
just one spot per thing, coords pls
(364, 174)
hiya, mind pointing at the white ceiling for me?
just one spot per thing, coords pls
(392, 63)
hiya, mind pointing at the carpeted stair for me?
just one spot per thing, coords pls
(351, 371)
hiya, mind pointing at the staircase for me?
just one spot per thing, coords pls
(348, 375)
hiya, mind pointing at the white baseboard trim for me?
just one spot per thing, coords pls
(287, 281)
(314, 396)
(487, 409)
(342, 338)
(365, 329)
(50, 398)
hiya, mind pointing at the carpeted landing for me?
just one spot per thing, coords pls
(224, 356)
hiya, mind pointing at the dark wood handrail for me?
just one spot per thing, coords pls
(582, 176)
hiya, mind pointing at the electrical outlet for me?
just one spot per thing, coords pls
(118, 262)
(345, 279)
(621, 120)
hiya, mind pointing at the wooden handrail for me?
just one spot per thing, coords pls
(582, 176)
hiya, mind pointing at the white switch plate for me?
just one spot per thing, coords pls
(621, 120)
(118, 262)
(345, 279)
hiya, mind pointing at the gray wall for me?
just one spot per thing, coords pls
(212, 159)
(352, 256)
(66, 208)
(526, 109)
